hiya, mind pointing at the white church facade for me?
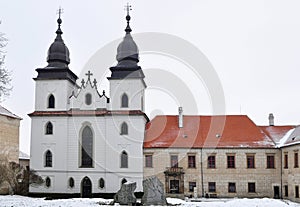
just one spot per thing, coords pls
(83, 142)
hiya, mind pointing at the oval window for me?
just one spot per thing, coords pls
(88, 99)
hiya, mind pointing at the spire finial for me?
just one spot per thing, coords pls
(128, 9)
(59, 21)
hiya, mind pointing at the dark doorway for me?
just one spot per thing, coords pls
(86, 188)
(276, 192)
(174, 186)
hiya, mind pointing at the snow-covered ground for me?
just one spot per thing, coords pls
(20, 201)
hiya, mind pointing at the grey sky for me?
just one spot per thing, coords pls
(254, 46)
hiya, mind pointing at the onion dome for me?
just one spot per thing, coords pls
(58, 53)
(127, 52)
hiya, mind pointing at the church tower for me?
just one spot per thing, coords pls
(127, 83)
(55, 82)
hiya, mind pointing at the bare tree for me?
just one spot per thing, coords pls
(5, 75)
(16, 177)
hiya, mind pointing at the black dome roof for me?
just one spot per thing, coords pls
(58, 53)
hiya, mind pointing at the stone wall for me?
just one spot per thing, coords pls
(265, 179)
(9, 137)
(291, 172)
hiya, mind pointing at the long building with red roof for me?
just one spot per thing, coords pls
(219, 156)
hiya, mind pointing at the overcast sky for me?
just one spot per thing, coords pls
(253, 45)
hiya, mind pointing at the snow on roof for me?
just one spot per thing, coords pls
(291, 138)
(5, 112)
(285, 138)
(23, 156)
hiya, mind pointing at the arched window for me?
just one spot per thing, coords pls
(124, 101)
(87, 147)
(123, 181)
(48, 182)
(51, 102)
(49, 128)
(71, 182)
(88, 99)
(124, 160)
(124, 128)
(101, 183)
(48, 159)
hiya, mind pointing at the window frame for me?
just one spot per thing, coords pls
(251, 187)
(212, 187)
(87, 143)
(230, 185)
(49, 128)
(48, 182)
(124, 159)
(286, 191)
(286, 160)
(192, 161)
(270, 161)
(211, 162)
(192, 185)
(101, 183)
(149, 160)
(71, 182)
(296, 160)
(231, 162)
(88, 99)
(48, 159)
(250, 161)
(124, 128)
(51, 101)
(174, 162)
(124, 101)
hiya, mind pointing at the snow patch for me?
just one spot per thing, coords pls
(285, 138)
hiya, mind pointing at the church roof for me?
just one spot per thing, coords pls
(5, 112)
(127, 56)
(230, 131)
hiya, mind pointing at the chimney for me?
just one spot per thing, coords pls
(180, 117)
(271, 119)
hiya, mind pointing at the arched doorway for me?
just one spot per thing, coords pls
(86, 188)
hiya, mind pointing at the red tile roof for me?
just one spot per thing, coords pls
(276, 133)
(230, 131)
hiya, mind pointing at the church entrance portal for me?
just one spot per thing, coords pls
(86, 188)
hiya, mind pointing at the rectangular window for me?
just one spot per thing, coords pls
(286, 161)
(192, 161)
(211, 161)
(231, 188)
(174, 161)
(270, 161)
(212, 187)
(286, 191)
(148, 161)
(251, 187)
(296, 191)
(250, 161)
(296, 164)
(192, 185)
(230, 161)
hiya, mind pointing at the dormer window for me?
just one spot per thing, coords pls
(88, 99)
(51, 102)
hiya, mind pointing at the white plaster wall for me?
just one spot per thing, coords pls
(134, 88)
(61, 89)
